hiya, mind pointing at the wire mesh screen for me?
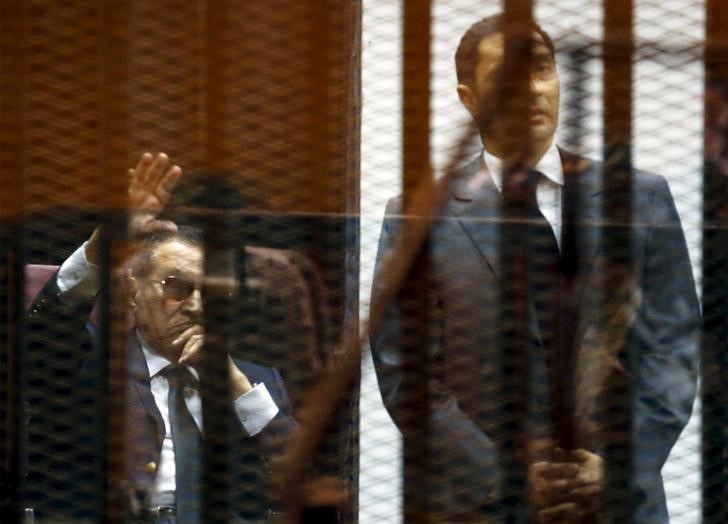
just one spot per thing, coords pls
(529, 220)
(255, 106)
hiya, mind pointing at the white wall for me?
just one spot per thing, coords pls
(667, 140)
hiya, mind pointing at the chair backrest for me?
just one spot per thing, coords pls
(289, 328)
(36, 275)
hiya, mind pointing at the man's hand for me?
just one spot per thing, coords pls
(150, 185)
(590, 479)
(551, 482)
(568, 487)
(191, 341)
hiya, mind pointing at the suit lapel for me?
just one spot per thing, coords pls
(475, 202)
(140, 391)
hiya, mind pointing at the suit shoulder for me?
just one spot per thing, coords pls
(651, 191)
(647, 181)
(394, 205)
(644, 183)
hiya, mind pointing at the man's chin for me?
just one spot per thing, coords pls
(541, 132)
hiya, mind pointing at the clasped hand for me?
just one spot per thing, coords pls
(191, 342)
(567, 487)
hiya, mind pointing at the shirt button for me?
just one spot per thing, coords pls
(151, 467)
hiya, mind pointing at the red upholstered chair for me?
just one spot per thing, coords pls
(36, 275)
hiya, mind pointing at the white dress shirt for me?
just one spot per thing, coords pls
(549, 188)
(255, 409)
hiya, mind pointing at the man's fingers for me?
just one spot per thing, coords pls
(167, 183)
(580, 455)
(133, 180)
(157, 168)
(183, 337)
(588, 493)
(144, 224)
(558, 470)
(560, 486)
(140, 171)
(550, 492)
(566, 512)
(191, 349)
(159, 226)
(143, 162)
(165, 225)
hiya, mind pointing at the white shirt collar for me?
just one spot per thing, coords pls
(156, 362)
(550, 165)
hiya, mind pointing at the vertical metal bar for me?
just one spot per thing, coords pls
(112, 376)
(563, 367)
(320, 62)
(331, 192)
(513, 94)
(714, 340)
(618, 53)
(320, 192)
(12, 260)
(349, 455)
(16, 413)
(219, 318)
(220, 324)
(216, 14)
(415, 337)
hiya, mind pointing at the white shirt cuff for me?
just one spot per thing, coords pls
(77, 275)
(255, 409)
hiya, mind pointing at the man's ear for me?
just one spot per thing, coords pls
(132, 288)
(468, 99)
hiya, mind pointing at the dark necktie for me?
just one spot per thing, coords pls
(187, 447)
(544, 264)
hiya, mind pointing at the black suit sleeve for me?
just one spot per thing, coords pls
(464, 468)
(57, 342)
(255, 491)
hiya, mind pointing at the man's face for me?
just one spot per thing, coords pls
(162, 315)
(543, 104)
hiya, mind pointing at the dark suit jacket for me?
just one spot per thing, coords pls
(466, 402)
(65, 393)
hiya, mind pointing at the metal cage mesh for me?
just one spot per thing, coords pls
(296, 125)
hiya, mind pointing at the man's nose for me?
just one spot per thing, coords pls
(193, 303)
(536, 86)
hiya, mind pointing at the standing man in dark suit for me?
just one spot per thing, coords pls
(163, 404)
(655, 317)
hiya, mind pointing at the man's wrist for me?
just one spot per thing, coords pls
(91, 248)
(239, 383)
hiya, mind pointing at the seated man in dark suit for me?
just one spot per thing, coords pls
(163, 407)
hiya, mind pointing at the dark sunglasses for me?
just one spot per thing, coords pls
(179, 289)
